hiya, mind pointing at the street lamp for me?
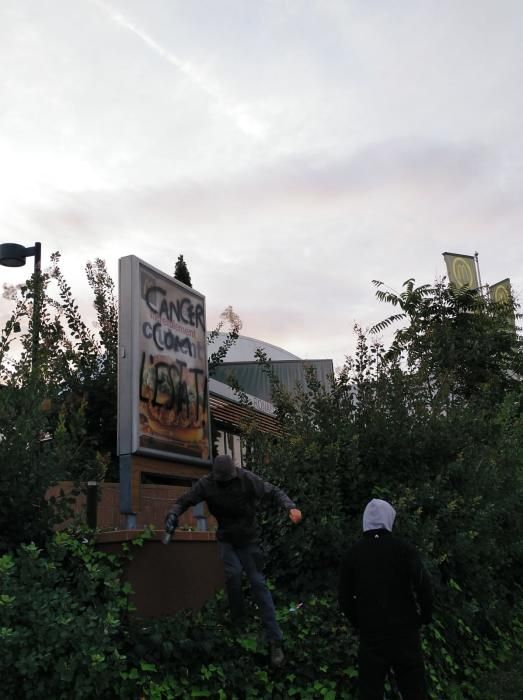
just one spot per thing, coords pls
(14, 255)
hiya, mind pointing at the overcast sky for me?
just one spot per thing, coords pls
(292, 151)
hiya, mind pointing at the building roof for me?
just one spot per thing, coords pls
(244, 349)
(251, 376)
(253, 379)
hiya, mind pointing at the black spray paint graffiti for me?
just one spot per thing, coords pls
(165, 339)
(181, 310)
(169, 389)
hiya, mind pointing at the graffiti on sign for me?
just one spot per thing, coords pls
(173, 407)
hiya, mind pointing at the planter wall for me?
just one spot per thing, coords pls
(169, 578)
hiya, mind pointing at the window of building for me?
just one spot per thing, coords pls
(229, 443)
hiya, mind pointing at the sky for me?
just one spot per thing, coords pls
(292, 151)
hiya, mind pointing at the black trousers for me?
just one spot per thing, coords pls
(400, 652)
(248, 559)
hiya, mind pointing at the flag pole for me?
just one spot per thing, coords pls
(479, 273)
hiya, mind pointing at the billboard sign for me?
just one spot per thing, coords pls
(163, 407)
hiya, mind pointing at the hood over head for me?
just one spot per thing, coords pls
(223, 468)
(378, 515)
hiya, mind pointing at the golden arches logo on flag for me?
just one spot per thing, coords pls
(501, 292)
(461, 270)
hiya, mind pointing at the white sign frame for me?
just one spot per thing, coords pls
(167, 318)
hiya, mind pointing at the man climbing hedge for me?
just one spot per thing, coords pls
(233, 496)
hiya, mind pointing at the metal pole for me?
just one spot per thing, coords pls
(479, 273)
(36, 305)
(38, 257)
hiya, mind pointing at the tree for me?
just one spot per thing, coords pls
(32, 462)
(67, 392)
(455, 339)
(230, 318)
(434, 424)
(181, 271)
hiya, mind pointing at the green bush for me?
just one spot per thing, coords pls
(198, 653)
(194, 654)
(66, 632)
(63, 621)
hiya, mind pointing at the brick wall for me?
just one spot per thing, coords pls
(155, 501)
(164, 578)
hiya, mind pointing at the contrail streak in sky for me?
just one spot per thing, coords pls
(245, 122)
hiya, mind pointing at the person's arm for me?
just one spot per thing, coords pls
(422, 587)
(264, 489)
(346, 593)
(196, 494)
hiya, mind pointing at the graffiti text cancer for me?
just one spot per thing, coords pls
(182, 310)
(173, 386)
(165, 339)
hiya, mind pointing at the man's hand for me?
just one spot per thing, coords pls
(295, 515)
(171, 522)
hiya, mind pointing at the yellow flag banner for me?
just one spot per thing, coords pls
(461, 270)
(501, 292)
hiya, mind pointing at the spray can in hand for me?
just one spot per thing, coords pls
(171, 523)
(166, 537)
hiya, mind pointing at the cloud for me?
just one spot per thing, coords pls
(293, 183)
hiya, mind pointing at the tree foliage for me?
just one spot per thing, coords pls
(181, 271)
(57, 405)
(228, 318)
(434, 424)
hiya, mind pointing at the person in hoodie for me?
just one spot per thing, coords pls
(233, 495)
(386, 593)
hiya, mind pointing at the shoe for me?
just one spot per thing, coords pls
(276, 653)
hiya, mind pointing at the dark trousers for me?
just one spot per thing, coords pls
(400, 652)
(249, 559)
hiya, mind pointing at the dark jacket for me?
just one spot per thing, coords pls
(233, 504)
(383, 586)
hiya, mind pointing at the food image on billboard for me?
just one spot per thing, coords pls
(167, 365)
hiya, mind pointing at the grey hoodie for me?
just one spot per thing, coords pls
(378, 515)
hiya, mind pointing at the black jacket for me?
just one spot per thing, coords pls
(383, 586)
(233, 504)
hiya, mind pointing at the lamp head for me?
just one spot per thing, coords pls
(12, 254)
